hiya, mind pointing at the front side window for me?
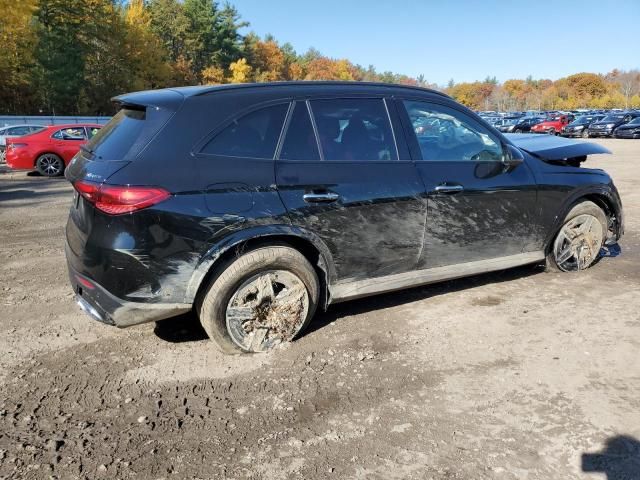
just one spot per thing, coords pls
(354, 129)
(445, 134)
(91, 131)
(254, 135)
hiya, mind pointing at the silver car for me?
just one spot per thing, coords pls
(14, 131)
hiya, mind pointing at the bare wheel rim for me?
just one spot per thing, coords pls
(267, 309)
(50, 164)
(578, 243)
(3, 155)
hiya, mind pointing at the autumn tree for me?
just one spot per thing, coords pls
(18, 39)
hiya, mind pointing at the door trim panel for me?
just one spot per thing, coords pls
(351, 290)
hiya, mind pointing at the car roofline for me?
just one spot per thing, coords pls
(203, 90)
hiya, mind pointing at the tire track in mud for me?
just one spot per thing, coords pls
(98, 424)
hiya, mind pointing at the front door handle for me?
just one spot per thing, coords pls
(324, 197)
(449, 189)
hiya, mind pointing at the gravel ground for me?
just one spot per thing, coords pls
(515, 375)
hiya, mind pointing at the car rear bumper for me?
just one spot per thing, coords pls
(19, 159)
(104, 307)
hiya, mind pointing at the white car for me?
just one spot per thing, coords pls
(14, 131)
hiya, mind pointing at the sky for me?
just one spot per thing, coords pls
(463, 40)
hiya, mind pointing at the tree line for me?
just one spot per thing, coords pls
(69, 57)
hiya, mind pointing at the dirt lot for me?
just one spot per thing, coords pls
(516, 375)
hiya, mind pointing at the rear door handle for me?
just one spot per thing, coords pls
(449, 189)
(324, 197)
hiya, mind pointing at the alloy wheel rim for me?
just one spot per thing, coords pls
(267, 309)
(578, 243)
(50, 165)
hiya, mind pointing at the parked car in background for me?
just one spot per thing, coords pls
(606, 126)
(256, 205)
(580, 126)
(14, 131)
(524, 124)
(508, 124)
(552, 125)
(628, 130)
(50, 149)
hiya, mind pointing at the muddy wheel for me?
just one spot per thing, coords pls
(585, 133)
(262, 299)
(577, 245)
(49, 165)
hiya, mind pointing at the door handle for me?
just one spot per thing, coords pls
(324, 197)
(449, 189)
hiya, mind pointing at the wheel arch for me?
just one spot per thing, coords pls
(602, 196)
(224, 251)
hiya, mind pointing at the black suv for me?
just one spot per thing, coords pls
(606, 126)
(580, 126)
(525, 124)
(255, 205)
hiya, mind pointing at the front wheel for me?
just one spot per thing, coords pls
(49, 165)
(262, 299)
(551, 131)
(577, 245)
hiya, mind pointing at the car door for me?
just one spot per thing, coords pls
(68, 141)
(343, 177)
(478, 208)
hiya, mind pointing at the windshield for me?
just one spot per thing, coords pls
(635, 121)
(612, 118)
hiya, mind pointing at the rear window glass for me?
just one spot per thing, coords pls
(254, 135)
(354, 129)
(300, 142)
(70, 133)
(128, 132)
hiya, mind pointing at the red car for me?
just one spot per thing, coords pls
(553, 125)
(49, 150)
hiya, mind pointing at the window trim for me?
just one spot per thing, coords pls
(363, 96)
(198, 148)
(412, 141)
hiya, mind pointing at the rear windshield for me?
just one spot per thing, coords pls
(128, 132)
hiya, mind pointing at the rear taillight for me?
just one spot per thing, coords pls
(117, 199)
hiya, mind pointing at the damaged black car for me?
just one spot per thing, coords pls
(257, 205)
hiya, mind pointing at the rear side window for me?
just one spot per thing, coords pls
(128, 132)
(300, 142)
(254, 135)
(354, 129)
(70, 133)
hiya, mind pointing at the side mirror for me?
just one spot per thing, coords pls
(512, 158)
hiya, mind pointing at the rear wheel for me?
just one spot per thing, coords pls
(263, 298)
(577, 245)
(50, 165)
(551, 131)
